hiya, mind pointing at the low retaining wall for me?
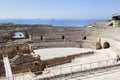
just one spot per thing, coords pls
(32, 66)
(63, 60)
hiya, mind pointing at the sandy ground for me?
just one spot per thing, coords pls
(21, 76)
(50, 53)
(112, 76)
(108, 75)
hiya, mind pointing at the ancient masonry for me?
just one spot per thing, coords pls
(18, 42)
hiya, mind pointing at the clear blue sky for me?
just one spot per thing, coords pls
(63, 9)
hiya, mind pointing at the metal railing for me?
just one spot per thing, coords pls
(68, 70)
(51, 73)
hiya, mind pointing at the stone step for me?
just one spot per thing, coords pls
(116, 50)
(88, 45)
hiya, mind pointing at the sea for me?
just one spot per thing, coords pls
(54, 22)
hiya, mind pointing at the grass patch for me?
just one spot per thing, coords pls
(118, 22)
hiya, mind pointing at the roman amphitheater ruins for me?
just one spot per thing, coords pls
(46, 52)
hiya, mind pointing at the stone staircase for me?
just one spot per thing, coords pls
(116, 50)
(101, 24)
(90, 42)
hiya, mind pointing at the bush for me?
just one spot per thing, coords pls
(118, 22)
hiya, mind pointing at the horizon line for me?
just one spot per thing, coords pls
(54, 19)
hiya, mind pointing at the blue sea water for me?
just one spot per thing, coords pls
(55, 22)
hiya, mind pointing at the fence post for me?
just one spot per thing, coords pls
(107, 62)
(81, 67)
(71, 71)
(49, 73)
(98, 64)
(90, 66)
(60, 70)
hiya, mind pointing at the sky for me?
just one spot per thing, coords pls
(58, 9)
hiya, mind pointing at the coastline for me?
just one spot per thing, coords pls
(53, 22)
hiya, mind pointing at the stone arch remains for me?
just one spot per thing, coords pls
(20, 35)
(106, 45)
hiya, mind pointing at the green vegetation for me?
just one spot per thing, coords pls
(117, 22)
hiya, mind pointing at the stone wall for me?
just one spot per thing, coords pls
(47, 36)
(42, 33)
(21, 59)
(43, 36)
(13, 50)
(63, 60)
(101, 24)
